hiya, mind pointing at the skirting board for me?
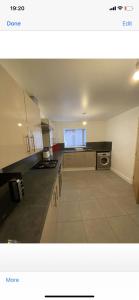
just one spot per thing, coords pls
(129, 180)
(79, 169)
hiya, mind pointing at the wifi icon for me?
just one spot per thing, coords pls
(120, 7)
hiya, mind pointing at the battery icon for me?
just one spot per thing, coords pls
(129, 8)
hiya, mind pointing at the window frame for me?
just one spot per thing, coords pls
(84, 132)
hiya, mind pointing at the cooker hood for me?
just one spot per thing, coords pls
(45, 125)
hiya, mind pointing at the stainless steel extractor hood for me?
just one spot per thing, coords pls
(45, 125)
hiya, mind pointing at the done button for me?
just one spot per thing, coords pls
(13, 23)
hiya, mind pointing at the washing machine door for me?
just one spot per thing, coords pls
(104, 160)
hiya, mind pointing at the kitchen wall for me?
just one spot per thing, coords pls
(122, 131)
(95, 130)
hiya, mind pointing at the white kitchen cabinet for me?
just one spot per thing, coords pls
(13, 129)
(50, 226)
(33, 125)
(20, 130)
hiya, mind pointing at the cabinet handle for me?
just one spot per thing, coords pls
(56, 194)
(55, 200)
(33, 143)
(60, 184)
(27, 143)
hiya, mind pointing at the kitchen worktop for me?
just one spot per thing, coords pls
(26, 221)
(74, 150)
(84, 150)
(101, 146)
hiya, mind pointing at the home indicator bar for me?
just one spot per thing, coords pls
(69, 296)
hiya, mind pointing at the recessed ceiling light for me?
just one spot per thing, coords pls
(20, 124)
(136, 74)
(84, 123)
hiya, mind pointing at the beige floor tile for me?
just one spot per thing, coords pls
(49, 233)
(71, 232)
(135, 218)
(70, 194)
(110, 208)
(132, 209)
(69, 211)
(87, 195)
(128, 203)
(99, 231)
(101, 200)
(90, 210)
(125, 229)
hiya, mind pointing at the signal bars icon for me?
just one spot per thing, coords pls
(116, 7)
(113, 8)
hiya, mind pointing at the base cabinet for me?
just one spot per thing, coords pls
(49, 229)
(83, 159)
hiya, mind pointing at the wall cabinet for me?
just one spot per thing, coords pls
(83, 159)
(50, 226)
(13, 142)
(17, 122)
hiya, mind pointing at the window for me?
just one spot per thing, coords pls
(74, 138)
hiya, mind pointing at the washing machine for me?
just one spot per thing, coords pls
(103, 160)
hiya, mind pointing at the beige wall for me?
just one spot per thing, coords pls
(95, 130)
(122, 131)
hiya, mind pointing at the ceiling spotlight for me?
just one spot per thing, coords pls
(136, 74)
(84, 123)
(20, 124)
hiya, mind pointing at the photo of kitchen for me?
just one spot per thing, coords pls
(69, 151)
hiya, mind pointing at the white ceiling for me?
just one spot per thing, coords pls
(67, 88)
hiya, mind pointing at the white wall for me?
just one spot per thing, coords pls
(95, 130)
(122, 131)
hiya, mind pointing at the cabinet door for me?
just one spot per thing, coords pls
(78, 159)
(50, 226)
(34, 125)
(67, 160)
(13, 130)
(90, 159)
(49, 229)
(74, 160)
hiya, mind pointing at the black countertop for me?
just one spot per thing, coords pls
(26, 221)
(84, 150)
(73, 150)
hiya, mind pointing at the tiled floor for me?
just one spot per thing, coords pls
(97, 207)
